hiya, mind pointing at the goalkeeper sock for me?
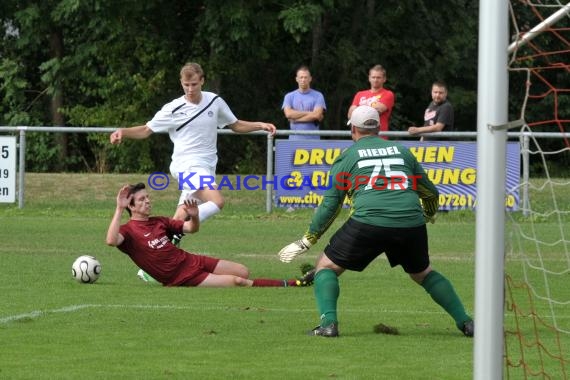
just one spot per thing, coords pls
(207, 210)
(442, 292)
(327, 291)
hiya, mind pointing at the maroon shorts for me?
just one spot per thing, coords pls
(195, 270)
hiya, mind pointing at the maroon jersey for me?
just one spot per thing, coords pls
(147, 242)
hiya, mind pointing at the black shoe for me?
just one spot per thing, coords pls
(468, 328)
(331, 331)
(176, 238)
(307, 278)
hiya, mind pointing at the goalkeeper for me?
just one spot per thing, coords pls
(385, 183)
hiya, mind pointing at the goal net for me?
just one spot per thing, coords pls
(537, 282)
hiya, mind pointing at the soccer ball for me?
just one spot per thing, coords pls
(86, 269)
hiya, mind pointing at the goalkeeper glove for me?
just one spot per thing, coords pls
(289, 252)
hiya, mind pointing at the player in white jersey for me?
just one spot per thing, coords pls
(192, 122)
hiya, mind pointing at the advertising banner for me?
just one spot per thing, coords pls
(303, 167)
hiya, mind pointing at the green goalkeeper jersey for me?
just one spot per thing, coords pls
(384, 182)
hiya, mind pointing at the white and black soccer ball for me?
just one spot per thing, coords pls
(86, 269)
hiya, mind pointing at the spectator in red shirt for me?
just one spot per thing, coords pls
(377, 97)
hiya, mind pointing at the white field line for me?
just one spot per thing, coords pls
(38, 313)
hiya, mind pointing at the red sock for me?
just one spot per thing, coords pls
(265, 282)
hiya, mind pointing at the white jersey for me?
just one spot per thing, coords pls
(195, 144)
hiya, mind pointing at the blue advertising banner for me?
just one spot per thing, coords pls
(303, 167)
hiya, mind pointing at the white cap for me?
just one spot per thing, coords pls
(365, 117)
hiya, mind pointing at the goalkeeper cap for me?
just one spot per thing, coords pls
(364, 117)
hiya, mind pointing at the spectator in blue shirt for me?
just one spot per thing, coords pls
(304, 107)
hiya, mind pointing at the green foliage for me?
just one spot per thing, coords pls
(12, 87)
(248, 158)
(300, 18)
(115, 63)
(41, 152)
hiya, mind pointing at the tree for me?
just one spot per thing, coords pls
(114, 63)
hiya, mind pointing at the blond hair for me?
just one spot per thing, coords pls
(190, 69)
(378, 68)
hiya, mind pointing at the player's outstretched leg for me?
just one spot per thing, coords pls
(443, 293)
(305, 280)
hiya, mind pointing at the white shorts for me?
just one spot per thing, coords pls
(193, 179)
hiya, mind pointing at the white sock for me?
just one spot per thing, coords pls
(207, 210)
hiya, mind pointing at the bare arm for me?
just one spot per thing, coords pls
(242, 126)
(192, 214)
(114, 238)
(437, 127)
(378, 106)
(304, 116)
(138, 133)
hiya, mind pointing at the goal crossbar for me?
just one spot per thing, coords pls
(547, 23)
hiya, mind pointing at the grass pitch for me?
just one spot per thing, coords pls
(54, 328)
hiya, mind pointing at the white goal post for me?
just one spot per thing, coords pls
(492, 110)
